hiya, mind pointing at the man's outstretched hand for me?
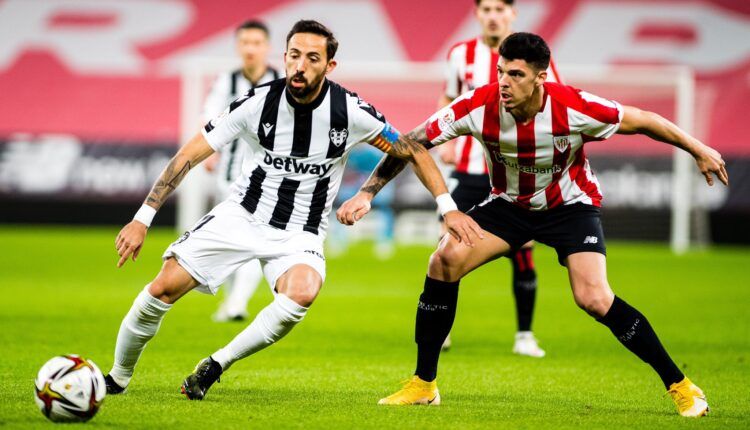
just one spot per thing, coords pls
(709, 162)
(129, 241)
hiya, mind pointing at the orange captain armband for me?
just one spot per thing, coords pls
(385, 140)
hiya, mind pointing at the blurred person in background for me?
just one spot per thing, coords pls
(252, 46)
(472, 63)
(362, 162)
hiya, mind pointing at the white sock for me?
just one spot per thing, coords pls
(271, 324)
(137, 328)
(244, 283)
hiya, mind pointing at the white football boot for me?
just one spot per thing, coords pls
(526, 344)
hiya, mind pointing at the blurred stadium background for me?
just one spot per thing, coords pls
(92, 98)
(96, 95)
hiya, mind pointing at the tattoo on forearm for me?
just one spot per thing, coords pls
(412, 143)
(390, 166)
(169, 179)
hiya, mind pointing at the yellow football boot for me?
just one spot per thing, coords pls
(690, 400)
(415, 392)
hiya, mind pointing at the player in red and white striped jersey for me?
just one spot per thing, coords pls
(471, 64)
(543, 189)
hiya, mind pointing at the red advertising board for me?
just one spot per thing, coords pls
(106, 69)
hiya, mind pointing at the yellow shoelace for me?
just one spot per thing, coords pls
(682, 398)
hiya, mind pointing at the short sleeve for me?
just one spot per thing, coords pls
(603, 116)
(451, 121)
(453, 73)
(368, 122)
(227, 126)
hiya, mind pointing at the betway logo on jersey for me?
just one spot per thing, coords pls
(526, 169)
(292, 165)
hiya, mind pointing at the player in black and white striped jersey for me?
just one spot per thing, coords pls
(252, 46)
(299, 131)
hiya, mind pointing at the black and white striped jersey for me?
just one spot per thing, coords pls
(296, 153)
(227, 87)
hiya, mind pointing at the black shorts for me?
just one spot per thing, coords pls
(469, 190)
(569, 229)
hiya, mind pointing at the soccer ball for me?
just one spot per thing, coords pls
(69, 388)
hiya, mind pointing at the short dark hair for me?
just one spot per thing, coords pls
(253, 24)
(526, 46)
(508, 2)
(314, 27)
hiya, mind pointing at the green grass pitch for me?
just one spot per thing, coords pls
(61, 293)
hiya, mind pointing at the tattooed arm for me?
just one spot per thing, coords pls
(131, 237)
(189, 156)
(411, 147)
(392, 164)
(401, 149)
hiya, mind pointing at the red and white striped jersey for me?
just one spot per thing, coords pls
(471, 64)
(541, 164)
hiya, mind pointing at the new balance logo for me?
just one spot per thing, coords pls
(267, 128)
(591, 239)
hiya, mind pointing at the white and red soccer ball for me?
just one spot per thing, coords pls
(69, 388)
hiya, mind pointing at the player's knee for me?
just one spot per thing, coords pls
(445, 264)
(441, 266)
(594, 306)
(162, 290)
(302, 285)
(435, 264)
(303, 294)
(170, 284)
(595, 299)
(450, 254)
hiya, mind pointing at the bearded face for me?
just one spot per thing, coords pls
(306, 64)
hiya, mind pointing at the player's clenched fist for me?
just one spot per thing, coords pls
(354, 209)
(129, 241)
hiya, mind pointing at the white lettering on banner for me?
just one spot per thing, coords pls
(107, 48)
(722, 38)
(41, 165)
(717, 38)
(68, 169)
(356, 34)
(363, 27)
(112, 176)
(629, 187)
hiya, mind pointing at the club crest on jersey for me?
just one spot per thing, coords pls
(446, 117)
(561, 142)
(338, 136)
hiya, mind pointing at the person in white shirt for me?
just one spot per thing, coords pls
(252, 46)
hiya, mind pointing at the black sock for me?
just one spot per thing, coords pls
(633, 330)
(435, 314)
(524, 287)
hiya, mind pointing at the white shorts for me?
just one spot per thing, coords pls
(229, 236)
